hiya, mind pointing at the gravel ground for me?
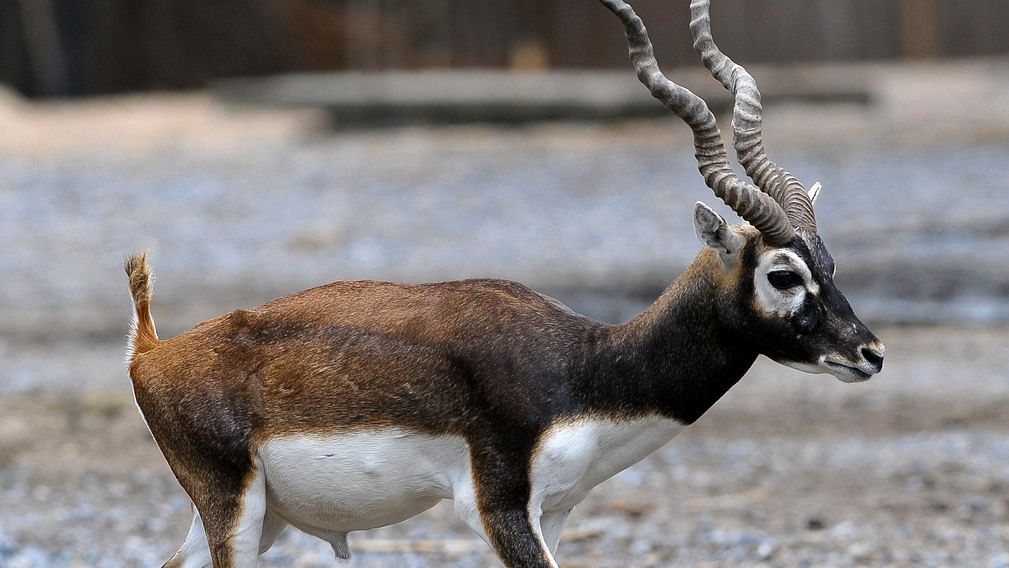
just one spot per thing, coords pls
(241, 205)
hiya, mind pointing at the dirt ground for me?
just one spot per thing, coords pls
(909, 469)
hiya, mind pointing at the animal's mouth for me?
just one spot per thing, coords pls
(847, 373)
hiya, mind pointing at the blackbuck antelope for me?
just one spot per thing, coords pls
(356, 405)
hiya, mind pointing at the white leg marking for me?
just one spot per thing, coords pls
(536, 520)
(273, 525)
(464, 501)
(573, 457)
(245, 539)
(552, 524)
(195, 552)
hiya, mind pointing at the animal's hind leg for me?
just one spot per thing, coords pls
(239, 547)
(273, 525)
(229, 523)
(195, 552)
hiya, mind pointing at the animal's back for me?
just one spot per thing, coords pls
(358, 354)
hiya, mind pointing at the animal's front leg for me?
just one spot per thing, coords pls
(514, 535)
(503, 509)
(552, 524)
(516, 539)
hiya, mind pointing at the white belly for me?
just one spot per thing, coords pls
(368, 479)
(362, 480)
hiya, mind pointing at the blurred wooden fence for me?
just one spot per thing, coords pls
(90, 46)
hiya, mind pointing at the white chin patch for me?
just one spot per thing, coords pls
(804, 367)
(843, 373)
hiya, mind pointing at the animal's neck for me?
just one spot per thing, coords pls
(676, 358)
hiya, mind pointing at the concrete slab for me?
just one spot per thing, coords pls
(468, 96)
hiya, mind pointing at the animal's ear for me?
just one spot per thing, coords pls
(714, 232)
(814, 192)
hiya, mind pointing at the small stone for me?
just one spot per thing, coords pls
(844, 530)
(938, 506)
(860, 550)
(977, 505)
(815, 524)
(29, 557)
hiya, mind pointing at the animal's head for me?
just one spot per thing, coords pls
(784, 298)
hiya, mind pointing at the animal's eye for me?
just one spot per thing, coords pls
(783, 279)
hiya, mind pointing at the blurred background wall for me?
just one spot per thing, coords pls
(73, 47)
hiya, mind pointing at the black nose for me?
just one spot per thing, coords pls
(874, 357)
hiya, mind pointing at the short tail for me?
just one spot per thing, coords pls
(143, 336)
